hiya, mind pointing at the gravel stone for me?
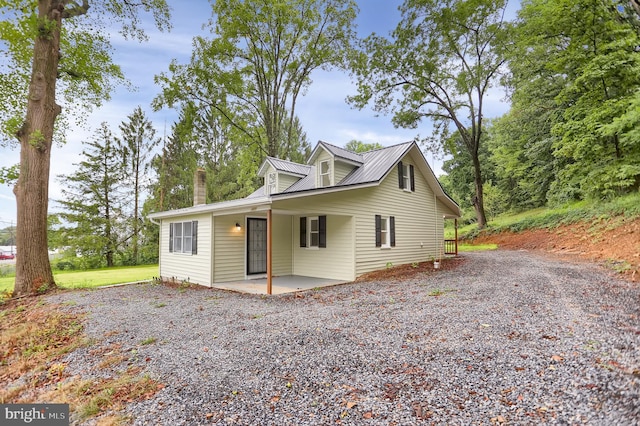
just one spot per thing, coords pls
(508, 337)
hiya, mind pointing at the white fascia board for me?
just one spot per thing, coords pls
(224, 207)
(433, 181)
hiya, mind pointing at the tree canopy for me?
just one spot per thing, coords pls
(438, 65)
(58, 51)
(257, 63)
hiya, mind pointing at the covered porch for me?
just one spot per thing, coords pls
(279, 284)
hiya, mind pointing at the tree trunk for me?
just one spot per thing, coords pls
(478, 199)
(33, 270)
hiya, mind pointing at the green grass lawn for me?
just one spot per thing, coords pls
(476, 247)
(94, 278)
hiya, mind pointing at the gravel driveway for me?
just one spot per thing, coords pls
(508, 337)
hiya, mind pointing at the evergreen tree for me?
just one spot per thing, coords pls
(92, 218)
(136, 147)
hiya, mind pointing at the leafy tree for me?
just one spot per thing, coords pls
(520, 143)
(259, 61)
(92, 215)
(55, 47)
(7, 236)
(136, 147)
(591, 51)
(359, 146)
(439, 63)
(459, 179)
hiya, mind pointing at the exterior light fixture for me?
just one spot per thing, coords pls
(238, 227)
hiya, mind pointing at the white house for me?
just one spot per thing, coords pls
(337, 217)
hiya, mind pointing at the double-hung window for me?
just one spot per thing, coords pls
(183, 237)
(385, 231)
(325, 173)
(313, 232)
(406, 178)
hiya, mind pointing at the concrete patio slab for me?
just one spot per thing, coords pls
(279, 285)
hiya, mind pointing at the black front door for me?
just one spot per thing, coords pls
(256, 246)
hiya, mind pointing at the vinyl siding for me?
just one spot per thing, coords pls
(186, 267)
(419, 231)
(285, 181)
(333, 262)
(229, 255)
(282, 245)
(231, 246)
(341, 170)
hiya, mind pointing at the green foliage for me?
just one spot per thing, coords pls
(9, 174)
(627, 206)
(137, 142)
(359, 146)
(100, 224)
(91, 223)
(8, 236)
(437, 65)
(86, 73)
(459, 179)
(242, 84)
(572, 131)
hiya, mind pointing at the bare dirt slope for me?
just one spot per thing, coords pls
(614, 243)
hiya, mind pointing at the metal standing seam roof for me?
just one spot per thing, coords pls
(336, 151)
(289, 166)
(375, 165)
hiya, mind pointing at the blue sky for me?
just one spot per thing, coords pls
(323, 111)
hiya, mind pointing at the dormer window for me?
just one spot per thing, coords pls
(325, 173)
(271, 183)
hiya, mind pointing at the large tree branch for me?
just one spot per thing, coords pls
(72, 9)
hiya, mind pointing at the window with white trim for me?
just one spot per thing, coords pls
(313, 232)
(325, 173)
(385, 231)
(271, 183)
(406, 178)
(406, 175)
(183, 237)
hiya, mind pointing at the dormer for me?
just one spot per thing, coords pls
(280, 174)
(332, 164)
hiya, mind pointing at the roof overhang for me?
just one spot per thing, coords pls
(320, 146)
(434, 183)
(226, 207)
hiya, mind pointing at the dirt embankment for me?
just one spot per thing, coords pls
(614, 243)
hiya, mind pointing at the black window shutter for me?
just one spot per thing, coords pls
(378, 228)
(400, 175)
(303, 232)
(322, 231)
(392, 230)
(171, 238)
(413, 182)
(194, 237)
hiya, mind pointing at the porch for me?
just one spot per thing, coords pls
(279, 284)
